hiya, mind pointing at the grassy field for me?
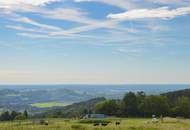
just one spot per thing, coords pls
(126, 124)
(50, 104)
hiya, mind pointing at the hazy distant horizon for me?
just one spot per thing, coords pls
(91, 84)
(151, 87)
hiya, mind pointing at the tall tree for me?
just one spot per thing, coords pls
(155, 105)
(6, 116)
(14, 114)
(25, 114)
(130, 104)
(109, 107)
(182, 107)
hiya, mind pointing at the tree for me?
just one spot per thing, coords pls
(20, 117)
(130, 104)
(14, 114)
(6, 116)
(85, 111)
(25, 113)
(182, 107)
(140, 96)
(108, 107)
(154, 105)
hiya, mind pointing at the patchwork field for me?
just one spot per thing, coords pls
(126, 124)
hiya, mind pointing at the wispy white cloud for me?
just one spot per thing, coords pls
(68, 14)
(20, 28)
(169, 2)
(124, 4)
(14, 10)
(34, 35)
(32, 22)
(161, 13)
(31, 2)
(158, 27)
(101, 24)
(131, 51)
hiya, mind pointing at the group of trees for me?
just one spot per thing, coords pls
(141, 105)
(8, 116)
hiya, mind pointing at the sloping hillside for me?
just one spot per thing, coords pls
(19, 100)
(172, 96)
(73, 110)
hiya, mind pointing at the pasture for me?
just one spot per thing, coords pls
(126, 124)
(50, 104)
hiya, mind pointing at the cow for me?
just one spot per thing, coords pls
(155, 120)
(44, 122)
(104, 124)
(117, 123)
(96, 124)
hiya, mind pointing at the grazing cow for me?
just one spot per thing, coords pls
(155, 120)
(96, 124)
(117, 123)
(44, 122)
(104, 124)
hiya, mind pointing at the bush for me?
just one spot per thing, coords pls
(93, 121)
(109, 107)
(20, 117)
(77, 127)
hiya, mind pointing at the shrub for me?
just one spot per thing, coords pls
(77, 127)
(92, 121)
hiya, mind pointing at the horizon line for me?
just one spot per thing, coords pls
(42, 84)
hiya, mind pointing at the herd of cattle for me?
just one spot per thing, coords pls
(105, 124)
(117, 123)
(45, 122)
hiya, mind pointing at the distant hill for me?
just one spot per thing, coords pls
(21, 97)
(172, 96)
(82, 108)
(20, 100)
(73, 110)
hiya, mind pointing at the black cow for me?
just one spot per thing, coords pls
(96, 124)
(117, 123)
(104, 124)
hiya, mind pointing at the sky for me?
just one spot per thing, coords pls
(94, 41)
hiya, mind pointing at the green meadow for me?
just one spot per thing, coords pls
(126, 124)
(50, 104)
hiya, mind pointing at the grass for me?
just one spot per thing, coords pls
(126, 124)
(50, 104)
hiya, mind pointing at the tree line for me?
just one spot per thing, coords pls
(8, 116)
(141, 105)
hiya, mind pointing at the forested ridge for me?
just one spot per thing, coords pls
(173, 104)
(141, 105)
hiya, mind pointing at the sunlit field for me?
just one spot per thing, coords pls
(126, 124)
(50, 104)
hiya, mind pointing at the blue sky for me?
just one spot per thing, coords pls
(94, 41)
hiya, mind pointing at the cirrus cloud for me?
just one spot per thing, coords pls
(31, 2)
(168, 2)
(161, 13)
(124, 4)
